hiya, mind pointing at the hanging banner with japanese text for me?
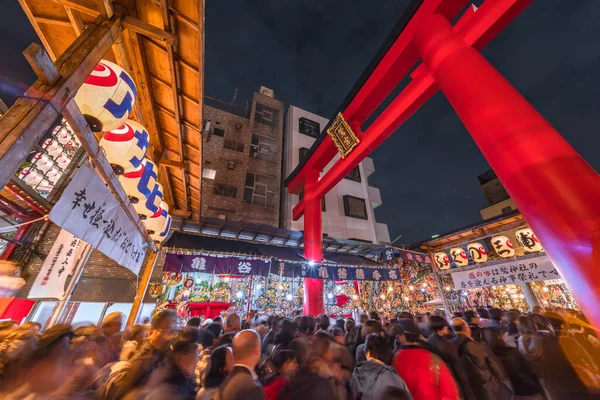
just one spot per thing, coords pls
(216, 264)
(528, 270)
(62, 258)
(89, 211)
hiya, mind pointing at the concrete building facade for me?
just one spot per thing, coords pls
(498, 198)
(241, 176)
(348, 209)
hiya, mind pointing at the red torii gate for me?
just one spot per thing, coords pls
(557, 192)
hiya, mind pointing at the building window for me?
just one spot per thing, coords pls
(303, 151)
(260, 190)
(225, 190)
(263, 148)
(506, 210)
(233, 145)
(354, 175)
(355, 207)
(230, 165)
(309, 128)
(266, 115)
(323, 205)
(219, 132)
(222, 216)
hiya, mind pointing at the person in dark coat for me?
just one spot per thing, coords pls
(219, 367)
(372, 378)
(522, 377)
(488, 378)
(369, 327)
(437, 339)
(273, 324)
(302, 343)
(242, 383)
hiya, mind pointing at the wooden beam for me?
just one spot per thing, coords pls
(42, 65)
(33, 114)
(85, 6)
(75, 20)
(188, 21)
(200, 94)
(142, 288)
(168, 85)
(180, 213)
(143, 28)
(53, 21)
(36, 28)
(174, 164)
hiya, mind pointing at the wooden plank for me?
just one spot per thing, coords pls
(33, 114)
(180, 213)
(201, 6)
(143, 28)
(85, 6)
(188, 21)
(174, 164)
(53, 21)
(36, 28)
(41, 64)
(75, 20)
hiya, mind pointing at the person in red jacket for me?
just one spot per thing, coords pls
(286, 364)
(425, 373)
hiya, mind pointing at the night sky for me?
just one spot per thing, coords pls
(311, 53)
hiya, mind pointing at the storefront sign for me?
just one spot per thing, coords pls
(89, 211)
(342, 135)
(62, 258)
(529, 270)
(215, 264)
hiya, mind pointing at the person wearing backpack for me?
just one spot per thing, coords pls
(488, 378)
(424, 372)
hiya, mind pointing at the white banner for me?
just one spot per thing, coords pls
(528, 270)
(88, 210)
(62, 258)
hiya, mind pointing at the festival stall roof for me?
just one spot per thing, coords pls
(162, 47)
(472, 232)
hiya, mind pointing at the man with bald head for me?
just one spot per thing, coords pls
(243, 383)
(489, 380)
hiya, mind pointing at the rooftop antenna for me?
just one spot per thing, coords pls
(234, 97)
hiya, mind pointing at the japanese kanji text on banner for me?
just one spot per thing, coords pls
(88, 210)
(529, 270)
(62, 258)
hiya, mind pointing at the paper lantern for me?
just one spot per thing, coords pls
(52, 147)
(125, 147)
(42, 162)
(33, 178)
(53, 175)
(527, 239)
(160, 236)
(504, 248)
(139, 184)
(477, 252)
(441, 260)
(106, 97)
(154, 199)
(62, 134)
(459, 256)
(156, 222)
(63, 160)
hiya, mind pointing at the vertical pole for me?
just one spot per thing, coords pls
(438, 283)
(142, 288)
(532, 300)
(556, 191)
(249, 299)
(313, 247)
(77, 272)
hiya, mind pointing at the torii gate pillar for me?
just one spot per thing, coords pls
(313, 245)
(557, 192)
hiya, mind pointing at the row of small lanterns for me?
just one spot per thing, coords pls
(105, 99)
(502, 245)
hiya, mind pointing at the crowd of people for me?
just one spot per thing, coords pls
(483, 354)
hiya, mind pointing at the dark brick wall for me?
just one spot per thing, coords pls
(217, 157)
(103, 280)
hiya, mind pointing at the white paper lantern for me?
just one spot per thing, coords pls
(62, 134)
(161, 235)
(42, 162)
(125, 147)
(156, 223)
(53, 175)
(139, 184)
(153, 201)
(504, 248)
(52, 147)
(477, 252)
(459, 256)
(106, 97)
(63, 160)
(441, 260)
(527, 239)
(33, 178)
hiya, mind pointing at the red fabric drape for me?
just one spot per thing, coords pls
(15, 309)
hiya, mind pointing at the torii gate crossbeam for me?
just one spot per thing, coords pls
(556, 191)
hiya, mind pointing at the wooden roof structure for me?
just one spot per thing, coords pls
(162, 47)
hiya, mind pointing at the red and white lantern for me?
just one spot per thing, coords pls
(42, 162)
(52, 147)
(63, 133)
(139, 184)
(162, 234)
(527, 239)
(156, 223)
(477, 252)
(125, 147)
(63, 160)
(503, 247)
(441, 260)
(106, 97)
(459, 256)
